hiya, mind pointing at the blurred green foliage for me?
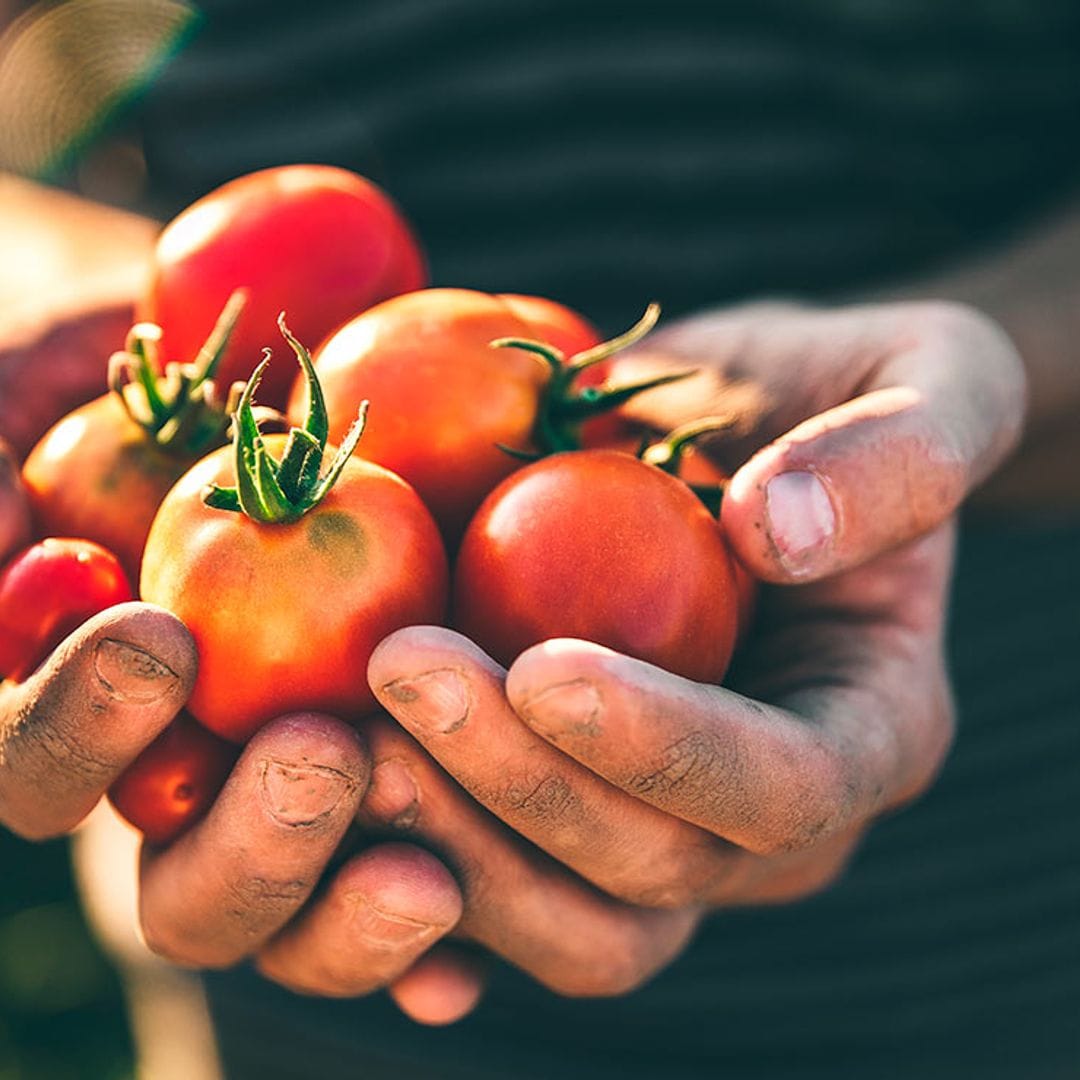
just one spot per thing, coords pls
(61, 1008)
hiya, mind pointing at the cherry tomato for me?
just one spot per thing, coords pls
(287, 575)
(102, 470)
(95, 473)
(173, 782)
(49, 590)
(443, 401)
(599, 545)
(319, 242)
(555, 324)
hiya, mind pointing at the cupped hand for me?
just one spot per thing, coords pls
(614, 804)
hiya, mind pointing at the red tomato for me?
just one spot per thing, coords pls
(442, 400)
(285, 616)
(598, 545)
(172, 783)
(320, 242)
(554, 323)
(49, 590)
(96, 474)
(102, 471)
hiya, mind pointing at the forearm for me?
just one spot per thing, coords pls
(64, 255)
(68, 281)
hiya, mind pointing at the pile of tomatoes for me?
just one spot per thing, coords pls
(416, 474)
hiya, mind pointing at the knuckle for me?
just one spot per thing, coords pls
(549, 800)
(677, 879)
(688, 772)
(254, 903)
(38, 742)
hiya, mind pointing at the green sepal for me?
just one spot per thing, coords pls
(316, 423)
(667, 453)
(274, 503)
(178, 408)
(594, 401)
(341, 458)
(299, 470)
(562, 409)
(279, 492)
(219, 498)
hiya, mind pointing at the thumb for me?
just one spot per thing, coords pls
(934, 420)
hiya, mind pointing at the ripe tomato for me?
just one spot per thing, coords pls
(96, 473)
(321, 242)
(285, 616)
(289, 579)
(47, 591)
(555, 324)
(598, 545)
(102, 470)
(173, 782)
(443, 401)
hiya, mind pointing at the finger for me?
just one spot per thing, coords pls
(74, 726)
(518, 903)
(383, 909)
(442, 987)
(932, 421)
(224, 888)
(760, 776)
(451, 697)
(14, 509)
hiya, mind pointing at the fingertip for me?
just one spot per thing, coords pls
(782, 520)
(441, 988)
(150, 632)
(406, 884)
(306, 741)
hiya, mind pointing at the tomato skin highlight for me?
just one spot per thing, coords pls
(442, 400)
(598, 545)
(320, 242)
(96, 474)
(554, 324)
(174, 781)
(49, 590)
(285, 616)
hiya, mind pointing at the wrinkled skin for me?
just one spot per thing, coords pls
(623, 803)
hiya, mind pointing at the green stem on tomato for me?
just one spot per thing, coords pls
(179, 409)
(667, 453)
(563, 408)
(279, 492)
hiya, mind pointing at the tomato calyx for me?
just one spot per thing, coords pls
(563, 408)
(667, 453)
(180, 410)
(280, 492)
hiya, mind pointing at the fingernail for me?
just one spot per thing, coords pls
(569, 708)
(299, 795)
(131, 674)
(393, 796)
(389, 929)
(437, 701)
(801, 520)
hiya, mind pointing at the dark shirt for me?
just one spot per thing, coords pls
(701, 152)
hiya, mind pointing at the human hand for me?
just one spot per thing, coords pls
(672, 798)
